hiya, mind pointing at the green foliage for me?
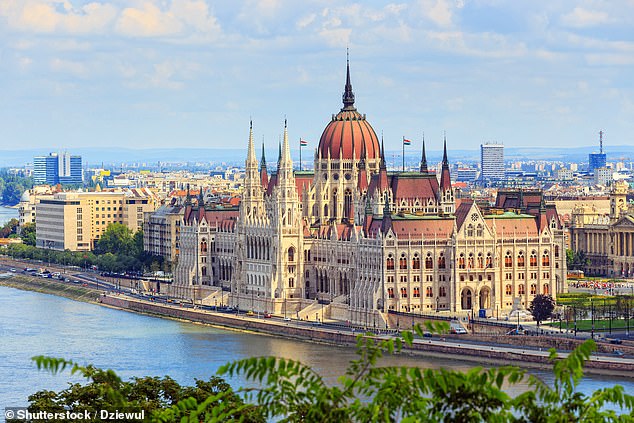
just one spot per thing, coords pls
(542, 307)
(27, 233)
(288, 391)
(12, 187)
(576, 260)
(9, 228)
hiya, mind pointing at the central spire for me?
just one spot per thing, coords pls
(348, 95)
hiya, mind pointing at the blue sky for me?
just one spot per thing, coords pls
(190, 73)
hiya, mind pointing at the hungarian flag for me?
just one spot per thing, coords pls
(406, 141)
(303, 143)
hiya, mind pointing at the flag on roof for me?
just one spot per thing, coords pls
(303, 142)
(406, 141)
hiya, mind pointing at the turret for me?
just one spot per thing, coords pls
(447, 204)
(423, 159)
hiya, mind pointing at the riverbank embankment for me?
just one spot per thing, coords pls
(52, 287)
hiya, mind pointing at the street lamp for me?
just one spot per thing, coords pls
(437, 302)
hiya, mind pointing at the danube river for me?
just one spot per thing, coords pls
(6, 214)
(138, 345)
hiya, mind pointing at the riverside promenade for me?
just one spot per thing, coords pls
(458, 346)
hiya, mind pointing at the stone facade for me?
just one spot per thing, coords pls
(351, 241)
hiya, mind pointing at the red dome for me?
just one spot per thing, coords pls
(349, 135)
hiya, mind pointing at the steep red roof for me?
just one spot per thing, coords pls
(515, 226)
(462, 211)
(412, 228)
(414, 185)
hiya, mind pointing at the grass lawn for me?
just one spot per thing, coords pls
(586, 325)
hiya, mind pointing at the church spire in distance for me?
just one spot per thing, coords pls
(423, 160)
(348, 95)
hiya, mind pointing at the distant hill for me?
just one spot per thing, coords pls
(234, 156)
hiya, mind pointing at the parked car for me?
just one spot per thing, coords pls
(458, 330)
(427, 334)
(267, 315)
(250, 313)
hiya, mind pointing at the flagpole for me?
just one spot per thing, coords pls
(403, 153)
(300, 154)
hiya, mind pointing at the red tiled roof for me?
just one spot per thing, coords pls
(516, 226)
(462, 211)
(346, 134)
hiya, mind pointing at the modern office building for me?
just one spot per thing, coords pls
(76, 220)
(597, 160)
(57, 168)
(492, 161)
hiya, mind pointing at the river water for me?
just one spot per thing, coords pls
(138, 345)
(6, 214)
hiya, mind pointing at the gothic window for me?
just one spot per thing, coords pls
(441, 261)
(204, 270)
(533, 258)
(546, 289)
(402, 262)
(461, 263)
(533, 289)
(347, 205)
(429, 262)
(521, 289)
(429, 292)
(489, 261)
(390, 263)
(416, 292)
(479, 230)
(521, 260)
(416, 262)
(390, 292)
(203, 246)
(508, 260)
(545, 259)
(509, 289)
(291, 254)
(470, 230)
(291, 282)
(470, 261)
(403, 292)
(480, 261)
(443, 291)
(556, 251)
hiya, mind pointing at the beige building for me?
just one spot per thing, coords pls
(352, 241)
(76, 220)
(161, 231)
(606, 238)
(29, 200)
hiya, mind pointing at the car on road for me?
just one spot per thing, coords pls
(267, 315)
(427, 334)
(615, 341)
(287, 319)
(250, 313)
(13, 270)
(458, 330)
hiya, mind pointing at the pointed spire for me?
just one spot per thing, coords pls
(251, 153)
(382, 164)
(263, 160)
(445, 162)
(348, 95)
(423, 159)
(279, 155)
(286, 148)
(201, 198)
(386, 223)
(188, 198)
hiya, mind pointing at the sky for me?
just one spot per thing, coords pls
(192, 73)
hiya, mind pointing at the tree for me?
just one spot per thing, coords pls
(288, 391)
(542, 307)
(116, 239)
(27, 233)
(9, 228)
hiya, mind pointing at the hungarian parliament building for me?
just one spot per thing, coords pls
(352, 241)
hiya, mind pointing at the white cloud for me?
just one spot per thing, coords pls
(438, 11)
(69, 67)
(581, 18)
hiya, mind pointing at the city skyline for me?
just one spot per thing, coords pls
(190, 74)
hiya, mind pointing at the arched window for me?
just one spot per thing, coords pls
(441, 261)
(533, 289)
(291, 282)
(521, 289)
(416, 262)
(402, 262)
(461, 263)
(480, 261)
(291, 254)
(509, 289)
(390, 292)
(443, 291)
(204, 270)
(556, 251)
(479, 230)
(546, 289)
(470, 230)
(508, 260)
(533, 258)
(470, 261)
(545, 259)
(203, 246)
(403, 292)
(489, 261)
(389, 263)
(347, 203)
(521, 260)
(429, 262)
(429, 292)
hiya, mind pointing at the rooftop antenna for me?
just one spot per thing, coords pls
(601, 142)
